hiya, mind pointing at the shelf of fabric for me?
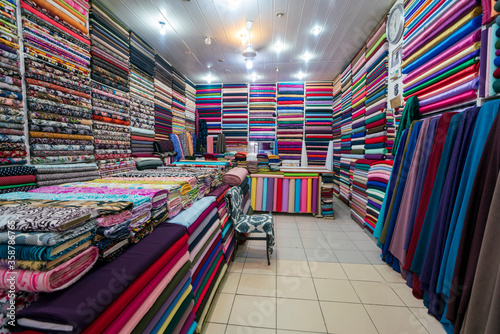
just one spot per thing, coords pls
(284, 193)
(358, 104)
(318, 120)
(359, 197)
(13, 150)
(336, 133)
(57, 77)
(377, 59)
(235, 116)
(327, 195)
(441, 61)
(190, 107)
(209, 109)
(110, 91)
(163, 98)
(262, 112)
(290, 130)
(178, 102)
(377, 181)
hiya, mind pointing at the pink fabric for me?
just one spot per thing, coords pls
(235, 176)
(140, 305)
(449, 102)
(303, 196)
(58, 278)
(275, 197)
(448, 87)
(210, 144)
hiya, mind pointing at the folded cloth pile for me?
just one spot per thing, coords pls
(359, 198)
(17, 178)
(235, 116)
(209, 107)
(178, 102)
(262, 112)
(12, 136)
(235, 176)
(190, 107)
(57, 75)
(327, 195)
(163, 98)
(290, 119)
(263, 164)
(143, 149)
(378, 179)
(49, 175)
(53, 246)
(336, 129)
(274, 163)
(358, 133)
(318, 120)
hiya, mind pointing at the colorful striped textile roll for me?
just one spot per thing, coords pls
(262, 112)
(235, 116)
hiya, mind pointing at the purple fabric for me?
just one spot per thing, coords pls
(314, 195)
(65, 306)
(219, 191)
(188, 323)
(375, 156)
(484, 58)
(284, 201)
(470, 85)
(270, 193)
(165, 305)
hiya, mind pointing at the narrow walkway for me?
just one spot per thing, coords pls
(325, 276)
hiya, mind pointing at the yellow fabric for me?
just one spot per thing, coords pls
(253, 194)
(309, 195)
(190, 143)
(420, 9)
(54, 10)
(175, 309)
(445, 63)
(291, 196)
(377, 43)
(209, 303)
(475, 12)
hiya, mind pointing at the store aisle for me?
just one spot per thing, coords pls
(325, 276)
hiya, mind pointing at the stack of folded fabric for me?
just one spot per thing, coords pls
(227, 226)
(142, 71)
(253, 162)
(391, 131)
(263, 162)
(290, 120)
(53, 246)
(235, 116)
(376, 135)
(163, 98)
(50, 175)
(441, 55)
(57, 75)
(12, 137)
(359, 198)
(345, 182)
(209, 108)
(165, 150)
(190, 107)
(318, 121)
(274, 163)
(178, 102)
(17, 178)
(337, 132)
(143, 149)
(110, 98)
(378, 179)
(327, 195)
(358, 104)
(262, 112)
(240, 159)
(376, 67)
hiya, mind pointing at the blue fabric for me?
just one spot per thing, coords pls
(136, 199)
(177, 147)
(200, 275)
(264, 195)
(187, 217)
(298, 183)
(171, 307)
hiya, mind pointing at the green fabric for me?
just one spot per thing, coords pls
(376, 151)
(18, 185)
(496, 84)
(410, 113)
(376, 118)
(375, 46)
(207, 276)
(441, 77)
(180, 312)
(139, 328)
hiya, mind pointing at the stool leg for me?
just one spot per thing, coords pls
(235, 244)
(267, 249)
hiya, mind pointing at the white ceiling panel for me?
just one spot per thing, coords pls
(345, 26)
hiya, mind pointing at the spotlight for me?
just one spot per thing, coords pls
(300, 75)
(249, 64)
(316, 31)
(163, 28)
(278, 47)
(307, 56)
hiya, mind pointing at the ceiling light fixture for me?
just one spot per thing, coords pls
(220, 60)
(316, 30)
(249, 64)
(300, 75)
(208, 40)
(278, 47)
(307, 56)
(277, 69)
(280, 15)
(163, 28)
(234, 3)
(254, 76)
(209, 78)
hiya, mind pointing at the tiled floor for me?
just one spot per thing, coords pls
(325, 276)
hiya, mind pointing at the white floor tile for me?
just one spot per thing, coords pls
(321, 255)
(394, 320)
(302, 315)
(257, 285)
(259, 267)
(292, 254)
(211, 328)
(351, 256)
(248, 330)
(335, 290)
(230, 282)
(362, 272)
(430, 323)
(379, 293)
(327, 270)
(293, 268)
(221, 310)
(346, 318)
(296, 287)
(251, 311)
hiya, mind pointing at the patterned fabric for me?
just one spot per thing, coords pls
(18, 170)
(249, 224)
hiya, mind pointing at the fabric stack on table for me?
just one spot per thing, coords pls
(337, 132)
(327, 195)
(318, 121)
(163, 98)
(49, 175)
(235, 116)
(262, 112)
(358, 105)
(209, 107)
(359, 197)
(58, 83)
(13, 149)
(143, 148)
(17, 178)
(226, 223)
(378, 178)
(377, 51)
(190, 107)
(178, 102)
(441, 55)
(53, 245)
(391, 131)
(290, 120)
(110, 98)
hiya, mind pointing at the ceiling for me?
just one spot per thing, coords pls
(345, 26)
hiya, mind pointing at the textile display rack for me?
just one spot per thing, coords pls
(190, 107)
(163, 98)
(178, 102)
(235, 116)
(209, 109)
(290, 128)
(262, 112)
(336, 133)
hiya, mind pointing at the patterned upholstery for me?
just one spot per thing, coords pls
(249, 224)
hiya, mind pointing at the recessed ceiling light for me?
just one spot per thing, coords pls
(316, 30)
(278, 47)
(277, 69)
(306, 56)
(209, 78)
(163, 28)
(249, 64)
(280, 15)
(254, 76)
(208, 66)
(220, 60)
(300, 75)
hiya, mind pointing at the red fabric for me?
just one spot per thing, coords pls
(280, 193)
(213, 244)
(375, 124)
(133, 137)
(467, 96)
(209, 283)
(376, 140)
(200, 219)
(19, 179)
(129, 294)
